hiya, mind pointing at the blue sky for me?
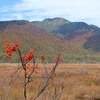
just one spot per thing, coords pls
(74, 10)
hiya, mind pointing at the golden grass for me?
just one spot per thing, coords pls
(79, 82)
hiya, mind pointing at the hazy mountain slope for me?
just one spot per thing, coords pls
(51, 24)
(76, 41)
(29, 36)
(93, 43)
(79, 34)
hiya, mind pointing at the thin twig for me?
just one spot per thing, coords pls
(46, 83)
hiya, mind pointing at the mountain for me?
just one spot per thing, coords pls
(76, 41)
(30, 36)
(79, 34)
(63, 26)
(51, 24)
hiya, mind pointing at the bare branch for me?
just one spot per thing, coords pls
(19, 67)
(46, 83)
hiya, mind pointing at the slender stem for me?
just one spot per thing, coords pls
(46, 83)
(25, 92)
(24, 67)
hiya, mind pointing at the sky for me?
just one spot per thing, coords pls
(37, 10)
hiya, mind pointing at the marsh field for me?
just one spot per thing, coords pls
(69, 82)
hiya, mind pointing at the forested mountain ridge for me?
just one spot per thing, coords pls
(78, 33)
(76, 41)
(30, 36)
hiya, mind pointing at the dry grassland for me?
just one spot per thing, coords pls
(69, 82)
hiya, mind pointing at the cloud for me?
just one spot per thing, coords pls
(17, 15)
(4, 9)
(73, 10)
